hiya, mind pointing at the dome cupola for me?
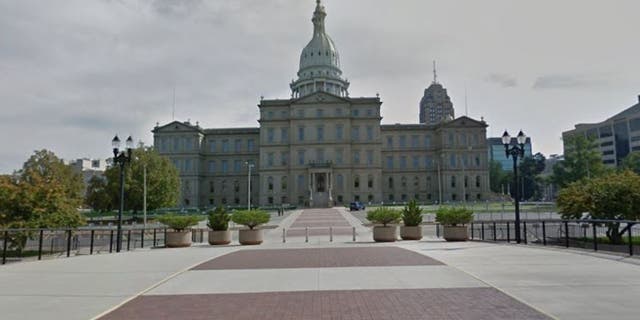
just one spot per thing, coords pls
(319, 62)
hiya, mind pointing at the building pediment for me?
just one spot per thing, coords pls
(177, 126)
(465, 122)
(321, 97)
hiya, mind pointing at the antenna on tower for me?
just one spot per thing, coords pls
(173, 109)
(435, 74)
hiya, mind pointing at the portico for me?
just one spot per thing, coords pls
(320, 185)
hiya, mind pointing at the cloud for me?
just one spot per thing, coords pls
(567, 81)
(503, 80)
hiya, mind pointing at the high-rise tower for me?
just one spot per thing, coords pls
(319, 62)
(435, 105)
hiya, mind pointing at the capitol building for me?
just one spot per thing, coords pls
(321, 147)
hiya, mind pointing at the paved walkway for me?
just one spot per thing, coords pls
(340, 280)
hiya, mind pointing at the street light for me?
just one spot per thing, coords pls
(121, 158)
(515, 152)
(250, 166)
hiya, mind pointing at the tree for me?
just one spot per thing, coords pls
(97, 196)
(163, 181)
(497, 176)
(613, 196)
(530, 169)
(631, 162)
(581, 160)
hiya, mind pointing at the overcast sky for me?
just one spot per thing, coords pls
(75, 72)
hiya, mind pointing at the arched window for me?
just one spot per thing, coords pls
(416, 182)
(236, 186)
(477, 181)
(356, 182)
(453, 181)
(466, 181)
(283, 183)
(370, 182)
(223, 185)
(270, 183)
(390, 182)
(403, 182)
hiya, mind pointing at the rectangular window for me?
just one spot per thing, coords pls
(355, 112)
(403, 141)
(237, 165)
(428, 163)
(225, 166)
(270, 159)
(451, 139)
(369, 112)
(403, 162)
(319, 113)
(338, 112)
(608, 152)
(339, 131)
(369, 157)
(250, 145)
(283, 114)
(390, 162)
(320, 155)
(452, 160)
(238, 145)
(369, 133)
(389, 141)
(185, 144)
(300, 113)
(300, 183)
(605, 131)
(427, 141)
(212, 146)
(416, 162)
(356, 157)
(187, 165)
(270, 135)
(301, 160)
(355, 133)
(414, 141)
(284, 158)
(634, 124)
(339, 159)
(320, 133)
(225, 145)
(300, 133)
(212, 166)
(176, 144)
(284, 135)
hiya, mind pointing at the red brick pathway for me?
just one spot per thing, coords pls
(318, 258)
(318, 221)
(408, 304)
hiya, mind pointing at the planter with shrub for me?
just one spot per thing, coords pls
(251, 219)
(454, 221)
(180, 234)
(412, 218)
(219, 225)
(387, 218)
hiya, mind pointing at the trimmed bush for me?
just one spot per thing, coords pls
(452, 216)
(250, 218)
(179, 222)
(384, 216)
(219, 219)
(412, 214)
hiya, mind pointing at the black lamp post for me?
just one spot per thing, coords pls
(121, 158)
(515, 152)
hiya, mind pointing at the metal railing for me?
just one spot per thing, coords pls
(32, 244)
(583, 234)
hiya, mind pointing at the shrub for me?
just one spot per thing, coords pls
(179, 222)
(412, 214)
(219, 219)
(452, 216)
(384, 216)
(250, 218)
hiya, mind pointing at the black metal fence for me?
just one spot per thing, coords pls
(585, 234)
(36, 244)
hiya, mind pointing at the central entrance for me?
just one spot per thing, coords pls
(320, 188)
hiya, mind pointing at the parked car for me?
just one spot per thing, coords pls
(356, 206)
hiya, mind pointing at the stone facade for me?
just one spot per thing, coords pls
(321, 148)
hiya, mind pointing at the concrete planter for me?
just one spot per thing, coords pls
(411, 233)
(455, 233)
(250, 237)
(219, 237)
(384, 234)
(178, 239)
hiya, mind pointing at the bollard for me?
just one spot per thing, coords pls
(283, 236)
(306, 234)
(595, 237)
(525, 231)
(630, 239)
(566, 234)
(40, 244)
(111, 242)
(544, 234)
(129, 240)
(495, 236)
(330, 234)
(4, 247)
(154, 237)
(142, 238)
(353, 229)
(68, 243)
(93, 233)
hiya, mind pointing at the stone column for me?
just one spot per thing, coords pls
(310, 189)
(330, 186)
